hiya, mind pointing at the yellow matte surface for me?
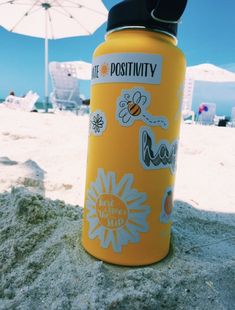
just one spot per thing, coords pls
(117, 150)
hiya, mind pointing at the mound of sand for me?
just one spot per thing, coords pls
(43, 265)
(42, 262)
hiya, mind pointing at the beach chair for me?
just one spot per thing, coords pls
(206, 113)
(222, 121)
(25, 103)
(65, 94)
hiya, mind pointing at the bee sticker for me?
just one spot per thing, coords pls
(97, 123)
(167, 206)
(132, 105)
(156, 155)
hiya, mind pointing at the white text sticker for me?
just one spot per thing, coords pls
(127, 68)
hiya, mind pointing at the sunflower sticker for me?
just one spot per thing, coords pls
(117, 213)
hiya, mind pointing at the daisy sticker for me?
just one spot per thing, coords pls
(97, 123)
(116, 211)
(132, 105)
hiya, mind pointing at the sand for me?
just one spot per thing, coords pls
(45, 152)
(42, 262)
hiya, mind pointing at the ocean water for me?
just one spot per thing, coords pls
(38, 105)
(222, 94)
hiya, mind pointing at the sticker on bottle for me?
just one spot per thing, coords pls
(158, 155)
(117, 213)
(97, 123)
(132, 105)
(167, 206)
(127, 68)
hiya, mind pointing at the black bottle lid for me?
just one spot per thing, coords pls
(161, 15)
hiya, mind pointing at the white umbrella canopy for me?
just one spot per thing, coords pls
(205, 73)
(52, 19)
(209, 73)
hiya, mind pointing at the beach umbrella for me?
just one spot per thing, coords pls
(209, 73)
(204, 73)
(50, 19)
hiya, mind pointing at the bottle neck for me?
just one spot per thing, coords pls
(138, 31)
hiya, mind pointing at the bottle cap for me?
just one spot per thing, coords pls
(159, 15)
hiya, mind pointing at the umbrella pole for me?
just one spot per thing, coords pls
(46, 64)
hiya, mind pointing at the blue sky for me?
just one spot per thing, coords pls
(206, 34)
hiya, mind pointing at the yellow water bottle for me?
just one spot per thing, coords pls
(136, 94)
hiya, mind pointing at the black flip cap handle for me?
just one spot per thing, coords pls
(169, 11)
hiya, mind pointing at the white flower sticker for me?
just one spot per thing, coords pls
(116, 211)
(97, 123)
(132, 105)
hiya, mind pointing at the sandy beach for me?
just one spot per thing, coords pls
(42, 262)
